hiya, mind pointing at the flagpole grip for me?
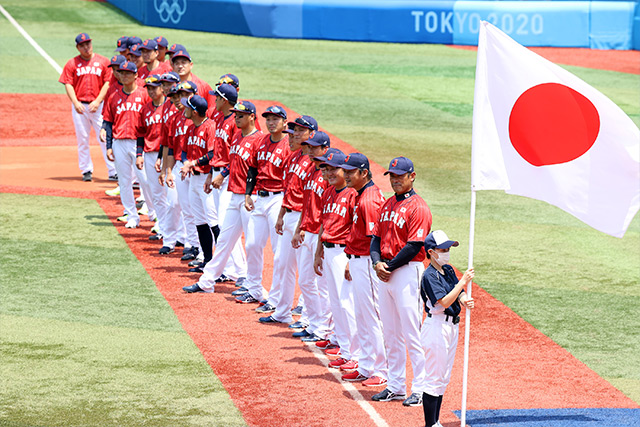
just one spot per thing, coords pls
(467, 317)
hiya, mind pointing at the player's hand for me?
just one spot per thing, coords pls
(158, 165)
(217, 181)
(171, 183)
(79, 107)
(103, 135)
(110, 155)
(280, 225)
(186, 169)
(468, 276)
(93, 106)
(207, 184)
(467, 302)
(317, 263)
(139, 162)
(248, 203)
(161, 178)
(297, 239)
(382, 272)
(347, 273)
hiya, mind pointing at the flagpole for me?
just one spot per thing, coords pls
(467, 317)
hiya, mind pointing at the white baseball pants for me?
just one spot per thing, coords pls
(262, 226)
(83, 124)
(124, 152)
(401, 314)
(439, 339)
(285, 265)
(189, 225)
(236, 220)
(365, 283)
(316, 295)
(202, 204)
(158, 195)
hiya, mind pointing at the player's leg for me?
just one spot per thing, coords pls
(124, 154)
(182, 187)
(341, 302)
(284, 270)
(96, 122)
(393, 338)
(82, 125)
(256, 238)
(158, 194)
(307, 280)
(236, 266)
(197, 200)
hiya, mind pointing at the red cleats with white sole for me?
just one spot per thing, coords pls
(353, 376)
(349, 366)
(337, 363)
(374, 382)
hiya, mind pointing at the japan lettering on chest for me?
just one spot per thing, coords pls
(222, 132)
(181, 127)
(94, 69)
(395, 214)
(152, 118)
(336, 205)
(168, 113)
(315, 185)
(299, 169)
(273, 157)
(197, 139)
(132, 103)
(242, 149)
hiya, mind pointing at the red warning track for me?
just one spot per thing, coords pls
(275, 379)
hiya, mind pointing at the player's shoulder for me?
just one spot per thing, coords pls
(103, 60)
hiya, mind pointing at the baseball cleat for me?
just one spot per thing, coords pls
(156, 229)
(353, 377)
(266, 308)
(195, 263)
(240, 281)
(113, 193)
(323, 344)
(349, 366)
(298, 325)
(374, 382)
(190, 253)
(338, 362)
(240, 291)
(87, 176)
(166, 250)
(144, 210)
(268, 319)
(297, 311)
(195, 288)
(113, 177)
(301, 334)
(246, 299)
(310, 338)
(132, 223)
(179, 244)
(223, 279)
(198, 269)
(155, 237)
(123, 218)
(333, 351)
(414, 399)
(387, 395)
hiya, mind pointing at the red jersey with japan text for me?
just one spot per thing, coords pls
(199, 141)
(114, 85)
(313, 190)
(269, 158)
(203, 91)
(150, 126)
(123, 110)
(337, 214)
(178, 129)
(225, 130)
(365, 216)
(297, 169)
(87, 76)
(168, 112)
(404, 218)
(241, 150)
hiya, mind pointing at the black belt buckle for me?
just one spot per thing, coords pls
(333, 245)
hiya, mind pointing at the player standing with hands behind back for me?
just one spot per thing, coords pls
(442, 294)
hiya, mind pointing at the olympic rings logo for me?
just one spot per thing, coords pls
(170, 10)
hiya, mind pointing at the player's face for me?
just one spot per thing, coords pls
(402, 183)
(243, 120)
(355, 178)
(219, 102)
(301, 133)
(335, 176)
(116, 74)
(154, 92)
(85, 49)
(293, 143)
(275, 123)
(162, 51)
(127, 77)
(182, 66)
(316, 151)
(148, 56)
(166, 87)
(175, 100)
(188, 113)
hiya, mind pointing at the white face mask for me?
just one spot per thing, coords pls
(443, 258)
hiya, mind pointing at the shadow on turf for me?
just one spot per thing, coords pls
(98, 220)
(510, 419)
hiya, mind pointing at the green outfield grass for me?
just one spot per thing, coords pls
(86, 338)
(578, 286)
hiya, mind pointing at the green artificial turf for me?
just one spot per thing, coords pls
(560, 275)
(86, 338)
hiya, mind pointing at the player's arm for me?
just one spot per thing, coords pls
(406, 254)
(140, 152)
(93, 106)
(379, 266)
(450, 298)
(280, 220)
(71, 93)
(319, 255)
(108, 128)
(252, 175)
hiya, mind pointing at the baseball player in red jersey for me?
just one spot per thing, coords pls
(86, 81)
(306, 237)
(236, 219)
(200, 140)
(397, 252)
(163, 45)
(296, 169)
(372, 365)
(330, 260)
(122, 114)
(150, 130)
(135, 56)
(152, 65)
(181, 63)
(122, 46)
(265, 176)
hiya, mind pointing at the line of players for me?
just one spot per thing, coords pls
(211, 175)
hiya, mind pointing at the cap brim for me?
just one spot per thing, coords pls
(121, 49)
(180, 56)
(185, 102)
(396, 172)
(266, 113)
(288, 131)
(447, 244)
(332, 164)
(348, 167)
(241, 111)
(292, 124)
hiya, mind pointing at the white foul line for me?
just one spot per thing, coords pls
(33, 43)
(355, 394)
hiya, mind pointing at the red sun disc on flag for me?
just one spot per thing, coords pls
(551, 124)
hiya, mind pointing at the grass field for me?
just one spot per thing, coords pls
(578, 286)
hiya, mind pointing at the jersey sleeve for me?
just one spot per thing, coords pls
(141, 126)
(419, 223)
(107, 111)
(67, 76)
(369, 211)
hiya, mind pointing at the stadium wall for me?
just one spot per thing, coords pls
(591, 24)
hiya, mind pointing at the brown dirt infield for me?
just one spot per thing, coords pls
(272, 378)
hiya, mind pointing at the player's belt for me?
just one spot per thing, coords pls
(333, 245)
(448, 318)
(195, 173)
(217, 168)
(263, 193)
(355, 256)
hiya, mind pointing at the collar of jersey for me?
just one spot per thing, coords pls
(401, 197)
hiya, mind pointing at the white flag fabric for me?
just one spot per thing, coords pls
(541, 132)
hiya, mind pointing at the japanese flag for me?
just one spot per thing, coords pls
(541, 132)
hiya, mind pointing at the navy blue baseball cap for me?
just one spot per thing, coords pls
(152, 80)
(162, 41)
(135, 49)
(82, 37)
(244, 107)
(175, 47)
(275, 110)
(197, 103)
(305, 121)
(149, 44)
(400, 166)
(288, 130)
(187, 86)
(355, 161)
(319, 139)
(122, 44)
(171, 77)
(227, 92)
(134, 40)
(438, 239)
(332, 157)
(182, 53)
(117, 60)
(128, 66)
(229, 79)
